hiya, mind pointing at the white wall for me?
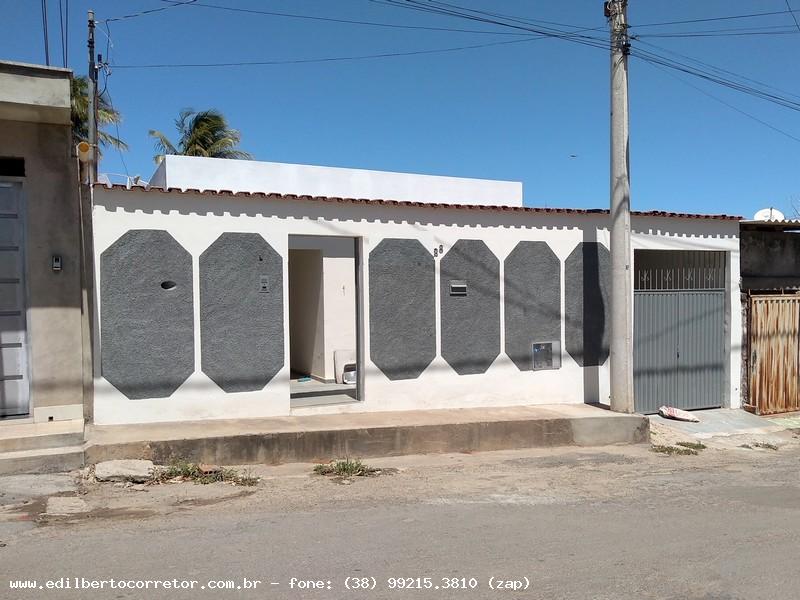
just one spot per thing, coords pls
(196, 220)
(336, 327)
(191, 172)
(306, 312)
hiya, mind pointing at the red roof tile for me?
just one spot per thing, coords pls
(526, 209)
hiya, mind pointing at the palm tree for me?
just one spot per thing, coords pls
(202, 133)
(106, 115)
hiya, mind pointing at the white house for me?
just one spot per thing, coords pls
(235, 289)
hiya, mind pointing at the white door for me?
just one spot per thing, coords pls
(14, 383)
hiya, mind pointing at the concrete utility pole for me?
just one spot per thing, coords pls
(92, 110)
(621, 294)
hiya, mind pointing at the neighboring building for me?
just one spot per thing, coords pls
(771, 305)
(41, 341)
(215, 305)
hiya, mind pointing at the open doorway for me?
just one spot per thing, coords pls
(324, 348)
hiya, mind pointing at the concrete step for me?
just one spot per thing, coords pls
(18, 437)
(365, 435)
(42, 460)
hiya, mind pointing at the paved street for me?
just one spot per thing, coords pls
(606, 523)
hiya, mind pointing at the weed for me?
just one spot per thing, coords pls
(765, 445)
(346, 468)
(181, 470)
(692, 445)
(672, 450)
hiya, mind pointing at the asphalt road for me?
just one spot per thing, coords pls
(613, 524)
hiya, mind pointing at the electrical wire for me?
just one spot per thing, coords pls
(324, 60)
(718, 69)
(46, 36)
(150, 11)
(725, 18)
(61, 23)
(794, 18)
(336, 20)
(728, 104)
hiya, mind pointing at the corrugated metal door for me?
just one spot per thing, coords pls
(14, 382)
(774, 336)
(679, 332)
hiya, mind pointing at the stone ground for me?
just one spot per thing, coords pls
(603, 523)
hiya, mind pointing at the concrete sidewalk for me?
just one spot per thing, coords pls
(365, 435)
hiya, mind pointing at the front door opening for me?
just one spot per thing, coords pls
(323, 324)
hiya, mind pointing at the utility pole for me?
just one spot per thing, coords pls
(621, 294)
(92, 110)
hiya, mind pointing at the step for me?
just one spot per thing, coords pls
(38, 436)
(322, 437)
(42, 460)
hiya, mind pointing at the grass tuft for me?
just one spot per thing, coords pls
(692, 445)
(674, 450)
(181, 470)
(346, 468)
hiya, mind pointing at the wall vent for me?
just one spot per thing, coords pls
(458, 287)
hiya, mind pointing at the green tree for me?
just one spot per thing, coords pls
(201, 133)
(106, 115)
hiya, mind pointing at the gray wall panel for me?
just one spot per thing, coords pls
(402, 309)
(147, 331)
(470, 323)
(532, 284)
(241, 312)
(587, 275)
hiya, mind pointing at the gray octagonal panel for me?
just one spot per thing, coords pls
(241, 312)
(587, 275)
(532, 284)
(402, 308)
(146, 314)
(470, 320)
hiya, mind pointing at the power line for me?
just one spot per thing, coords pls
(719, 70)
(46, 37)
(326, 59)
(729, 105)
(725, 18)
(150, 11)
(61, 23)
(700, 35)
(794, 18)
(336, 20)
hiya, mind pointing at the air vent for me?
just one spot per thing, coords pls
(458, 287)
(546, 355)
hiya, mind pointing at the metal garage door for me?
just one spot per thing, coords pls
(14, 381)
(679, 330)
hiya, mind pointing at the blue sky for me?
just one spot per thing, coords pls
(515, 111)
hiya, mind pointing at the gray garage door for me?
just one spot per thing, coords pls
(679, 330)
(14, 381)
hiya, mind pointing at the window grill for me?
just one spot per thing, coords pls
(672, 270)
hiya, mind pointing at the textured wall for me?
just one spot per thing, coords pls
(402, 309)
(470, 324)
(587, 276)
(241, 312)
(532, 284)
(147, 331)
